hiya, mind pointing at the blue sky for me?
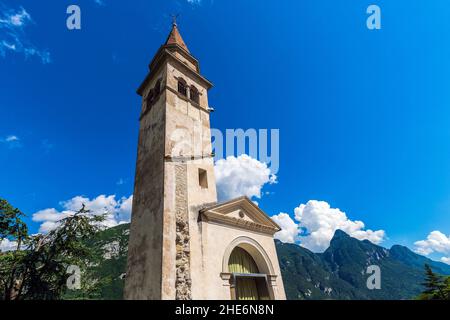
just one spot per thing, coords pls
(363, 115)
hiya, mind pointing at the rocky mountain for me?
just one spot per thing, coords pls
(341, 271)
(338, 273)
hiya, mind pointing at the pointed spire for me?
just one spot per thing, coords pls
(175, 36)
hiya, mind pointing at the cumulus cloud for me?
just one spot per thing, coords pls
(13, 38)
(117, 211)
(445, 260)
(436, 242)
(321, 221)
(243, 175)
(316, 224)
(289, 229)
(7, 245)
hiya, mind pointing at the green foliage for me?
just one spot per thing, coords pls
(436, 287)
(446, 290)
(11, 224)
(39, 270)
(12, 228)
(107, 265)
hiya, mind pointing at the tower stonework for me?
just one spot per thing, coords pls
(181, 240)
(167, 175)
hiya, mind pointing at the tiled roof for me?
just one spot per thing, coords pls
(175, 38)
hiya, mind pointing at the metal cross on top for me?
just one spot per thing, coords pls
(174, 19)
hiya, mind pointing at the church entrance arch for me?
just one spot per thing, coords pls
(248, 267)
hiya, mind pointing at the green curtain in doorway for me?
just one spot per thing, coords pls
(241, 262)
(246, 289)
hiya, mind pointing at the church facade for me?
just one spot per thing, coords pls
(183, 243)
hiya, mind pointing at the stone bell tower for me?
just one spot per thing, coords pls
(174, 176)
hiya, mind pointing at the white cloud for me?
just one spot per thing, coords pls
(9, 46)
(243, 175)
(11, 141)
(20, 18)
(11, 138)
(445, 260)
(289, 229)
(194, 1)
(12, 36)
(7, 245)
(117, 211)
(317, 223)
(15, 19)
(436, 242)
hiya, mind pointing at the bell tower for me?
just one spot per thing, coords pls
(174, 177)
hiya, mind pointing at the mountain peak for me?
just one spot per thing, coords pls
(400, 248)
(339, 234)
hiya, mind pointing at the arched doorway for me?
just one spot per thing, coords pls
(248, 282)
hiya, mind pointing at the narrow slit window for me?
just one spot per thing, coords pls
(203, 178)
(157, 88)
(149, 100)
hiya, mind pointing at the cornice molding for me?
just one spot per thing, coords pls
(240, 223)
(164, 55)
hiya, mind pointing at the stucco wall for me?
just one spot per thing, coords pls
(216, 239)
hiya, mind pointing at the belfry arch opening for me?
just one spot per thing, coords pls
(248, 281)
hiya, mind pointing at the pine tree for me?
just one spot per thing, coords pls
(434, 286)
(447, 289)
(37, 268)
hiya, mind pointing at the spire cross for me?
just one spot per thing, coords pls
(174, 19)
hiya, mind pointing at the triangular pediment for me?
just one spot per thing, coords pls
(240, 212)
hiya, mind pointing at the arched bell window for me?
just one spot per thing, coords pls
(194, 95)
(182, 87)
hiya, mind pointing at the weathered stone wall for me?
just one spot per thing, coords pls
(144, 274)
(183, 280)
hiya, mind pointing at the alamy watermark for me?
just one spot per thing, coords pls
(73, 21)
(374, 280)
(199, 143)
(374, 20)
(74, 280)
